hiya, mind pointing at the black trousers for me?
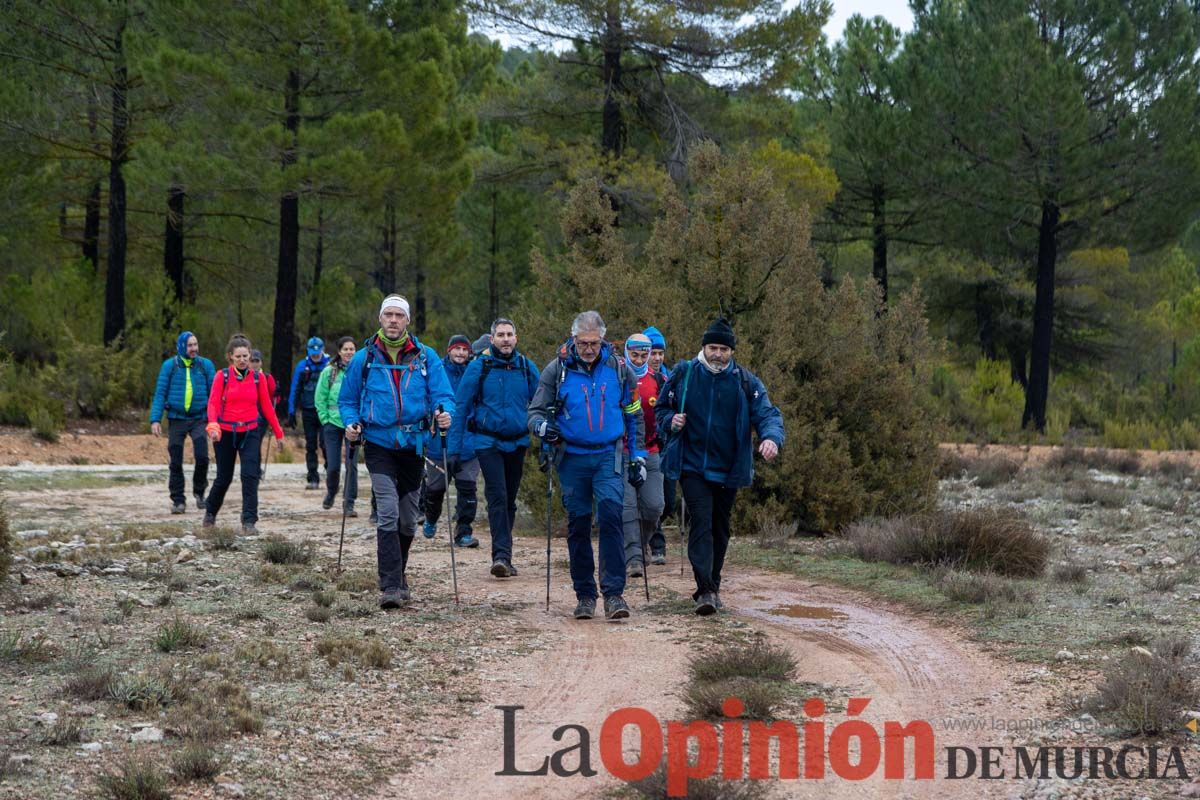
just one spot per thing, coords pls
(313, 442)
(501, 480)
(178, 431)
(709, 506)
(396, 480)
(245, 445)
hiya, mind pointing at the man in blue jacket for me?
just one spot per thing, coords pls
(492, 402)
(303, 395)
(705, 413)
(460, 459)
(184, 381)
(586, 406)
(390, 397)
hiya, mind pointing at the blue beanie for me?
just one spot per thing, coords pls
(181, 343)
(657, 341)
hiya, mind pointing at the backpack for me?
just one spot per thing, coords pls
(618, 365)
(686, 367)
(370, 358)
(490, 364)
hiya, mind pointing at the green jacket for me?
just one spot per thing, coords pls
(326, 398)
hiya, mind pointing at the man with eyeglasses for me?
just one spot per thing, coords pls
(586, 407)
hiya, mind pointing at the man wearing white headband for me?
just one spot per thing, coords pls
(394, 391)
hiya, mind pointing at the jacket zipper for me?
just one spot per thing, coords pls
(587, 404)
(603, 386)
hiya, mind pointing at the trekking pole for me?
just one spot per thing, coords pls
(682, 532)
(445, 506)
(645, 561)
(267, 462)
(545, 459)
(342, 536)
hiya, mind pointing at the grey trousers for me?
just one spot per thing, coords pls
(642, 509)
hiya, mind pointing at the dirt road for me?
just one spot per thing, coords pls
(910, 668)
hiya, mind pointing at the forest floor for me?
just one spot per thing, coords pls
(209, 642)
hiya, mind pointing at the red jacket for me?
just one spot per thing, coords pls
(649, 385)
(241, 402)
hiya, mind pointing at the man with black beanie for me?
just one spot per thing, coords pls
(705, 414)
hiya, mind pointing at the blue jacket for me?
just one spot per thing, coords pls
(171, 387)
(304, 383)
(493, 408)
(709, 445)
(594, 406)
(396, 418)
(465, 449)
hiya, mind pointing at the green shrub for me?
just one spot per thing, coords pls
(980, 540)
(44, 425)
(278, 550)
(179, 634)
(759, 659)
(977, 589)
(1145, 692)
(196, 763)
(994, 402)
(134, 779)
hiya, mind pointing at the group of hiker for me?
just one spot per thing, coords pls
(619, 430)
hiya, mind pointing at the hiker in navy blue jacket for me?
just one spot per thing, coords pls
(492, 402)
(586, 406)
(704, 414)
(303, 395)
(460, 459)
(390, 397)
(184, 381)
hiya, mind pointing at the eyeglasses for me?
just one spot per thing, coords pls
(586, 345)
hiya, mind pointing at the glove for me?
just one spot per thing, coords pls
(548, 432)
(291, 421)
(637, 472)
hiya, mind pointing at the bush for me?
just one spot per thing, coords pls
(64, 731)
(278, 550)
(179, 634)
(977, 589)
(318, 613)
(368, 652)
(140, 691)
(1104, 495)
(195, 763)
(134, 779)
(1097, 458)
(45, 426)
(979, 540)
(993, 401)
(762, 698)
(654, 787)
(1071, 573)
(987, 471)
(91, 682)
(760, 659)
(1145, 691)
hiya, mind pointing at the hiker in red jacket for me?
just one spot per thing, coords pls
(239, 396)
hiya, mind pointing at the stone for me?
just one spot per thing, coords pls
(1167, 561)
(147, 735)
(91, 747)
(25, 536)
(231, 789)
(184, 556)
(1064, 655)
(48, 718)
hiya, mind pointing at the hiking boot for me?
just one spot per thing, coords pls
(327, 503)
(585, 608)
(393, 598)
(248, 529)
(374, 518)
(466, 541)
(501, 569)
(615, 607)
(209, 520)
(635, 568)
(350, 512)
(512, 571)
(313, 483)
(706, 604)
(429, 529)
(179, 508)
(717, 598)
(658, 559)
(199, 501)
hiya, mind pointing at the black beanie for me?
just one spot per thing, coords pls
(458, 340)
(719, 332)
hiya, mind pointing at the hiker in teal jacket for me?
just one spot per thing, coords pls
(184, 381)
(333, 431)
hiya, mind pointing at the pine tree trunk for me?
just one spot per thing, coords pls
(418, 320)
(984, 322)
(879, 239)
(91, 227)
(385, 278)
(494, 268)
(612, 138)
(314, 311)
(283, 340)
(114, 286)
(173, 240)
(1043, 320)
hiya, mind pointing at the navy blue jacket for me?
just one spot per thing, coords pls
(494, 413)
(304, 383)
(716, 443)
(171, 387)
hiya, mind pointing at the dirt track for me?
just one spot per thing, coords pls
(909, 667)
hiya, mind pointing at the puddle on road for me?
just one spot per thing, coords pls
(807, 612)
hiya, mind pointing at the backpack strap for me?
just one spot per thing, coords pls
(225, 390)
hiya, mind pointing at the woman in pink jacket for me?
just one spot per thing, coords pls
(239, 395)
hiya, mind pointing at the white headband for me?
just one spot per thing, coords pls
(395, 301)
